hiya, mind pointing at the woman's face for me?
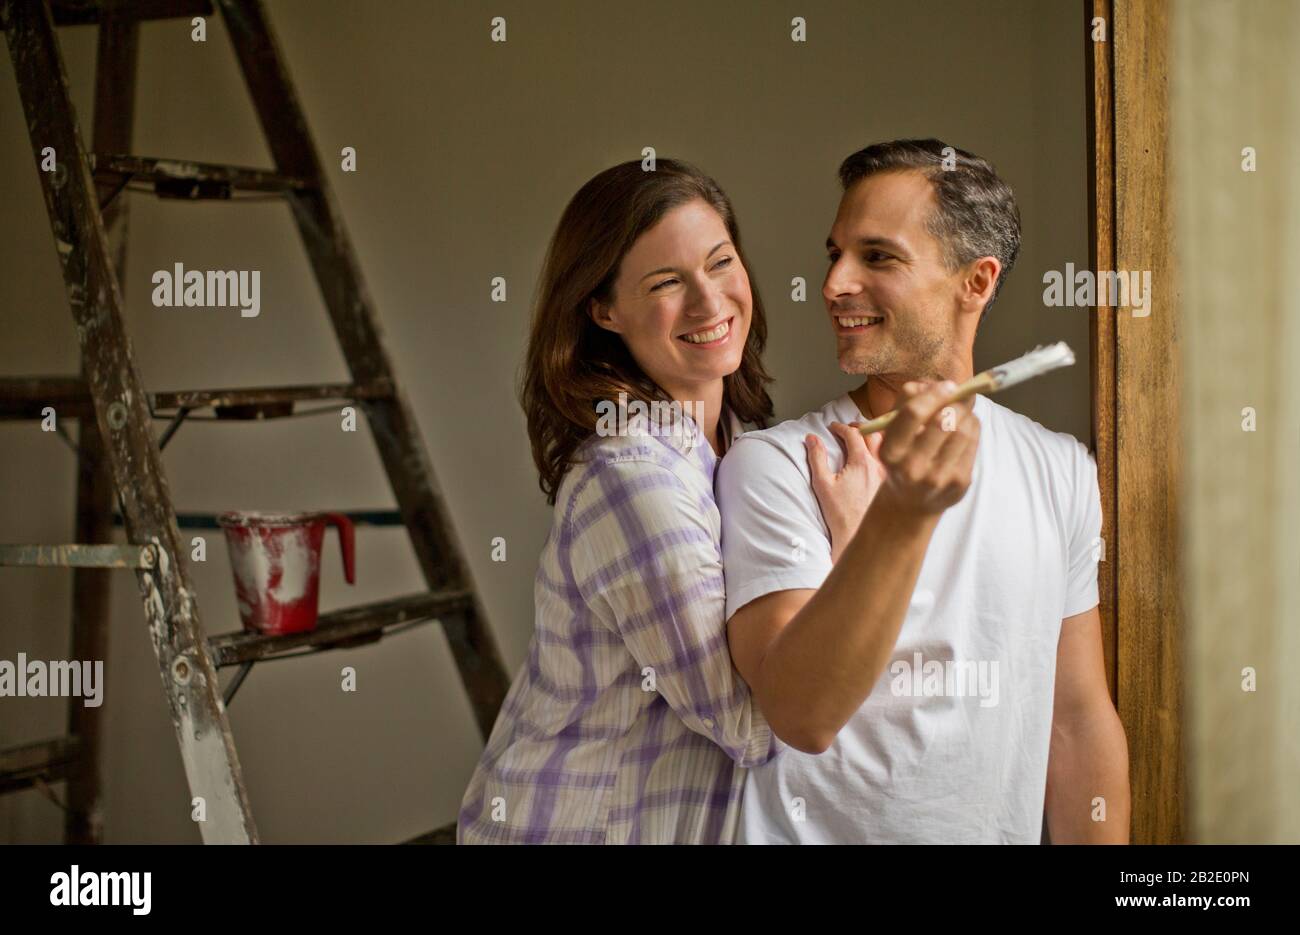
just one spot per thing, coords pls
(682, 302)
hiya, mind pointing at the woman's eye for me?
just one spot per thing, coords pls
(656, 287)
(723, 263)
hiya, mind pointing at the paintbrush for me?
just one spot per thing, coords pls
(1036, 363)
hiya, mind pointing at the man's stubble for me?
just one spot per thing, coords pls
(909, 351)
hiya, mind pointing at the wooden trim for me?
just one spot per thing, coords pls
(1137, 428)
(1101, 243)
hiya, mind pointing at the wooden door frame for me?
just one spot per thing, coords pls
(1135, 395)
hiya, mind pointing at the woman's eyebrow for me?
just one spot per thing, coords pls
(669, 269)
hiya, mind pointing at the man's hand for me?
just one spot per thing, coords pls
(928, 450)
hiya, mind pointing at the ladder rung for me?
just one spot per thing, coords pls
(25, 397)
(50, 760)
(87, 12)
(80, 555)
(266, 402)
(176, 178)
(350, 626)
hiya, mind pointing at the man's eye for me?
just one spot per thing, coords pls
(875, 256)
(656, 287)
(832, 257)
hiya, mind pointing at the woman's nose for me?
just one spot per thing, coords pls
(707, 302)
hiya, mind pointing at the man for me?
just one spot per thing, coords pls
(938, 674)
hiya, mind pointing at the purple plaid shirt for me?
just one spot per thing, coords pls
(628, 722)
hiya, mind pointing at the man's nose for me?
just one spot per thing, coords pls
(839, 282)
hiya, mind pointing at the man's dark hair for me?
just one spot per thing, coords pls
(976, 212)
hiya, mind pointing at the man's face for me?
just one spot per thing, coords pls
(893, 303)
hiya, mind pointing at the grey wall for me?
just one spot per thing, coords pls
(467, 152)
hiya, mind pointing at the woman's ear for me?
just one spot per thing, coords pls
(602, 315)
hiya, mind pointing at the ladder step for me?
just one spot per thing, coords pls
(266, 402)
(79, 555)
(175, 178)
(337, 629)
(444, 835)
(26, 397)
(87, 12)
(49, 760)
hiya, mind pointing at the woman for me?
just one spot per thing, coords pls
(628, 723)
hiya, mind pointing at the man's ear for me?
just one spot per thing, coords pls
(602, 315)
(980, 282)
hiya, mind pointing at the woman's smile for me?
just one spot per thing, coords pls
(709, 337)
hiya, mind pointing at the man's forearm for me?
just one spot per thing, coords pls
(822, 666)
(1087, 780)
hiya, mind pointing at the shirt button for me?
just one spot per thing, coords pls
(708, 722)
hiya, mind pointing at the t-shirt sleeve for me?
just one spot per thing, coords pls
(1085, 538)
(773, 534)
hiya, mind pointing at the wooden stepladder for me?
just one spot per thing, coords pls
(118, 454)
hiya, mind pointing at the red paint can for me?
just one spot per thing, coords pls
(275, 558)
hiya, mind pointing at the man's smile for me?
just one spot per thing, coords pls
(852, 324)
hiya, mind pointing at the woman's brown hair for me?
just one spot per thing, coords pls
(572, 363)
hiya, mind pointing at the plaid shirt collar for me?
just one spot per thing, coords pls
(673, 424)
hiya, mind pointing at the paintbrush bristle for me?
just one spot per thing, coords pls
(1038, 361)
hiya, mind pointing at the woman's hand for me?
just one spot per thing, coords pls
(844, 497)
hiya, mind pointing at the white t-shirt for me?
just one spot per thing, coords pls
(951, 745)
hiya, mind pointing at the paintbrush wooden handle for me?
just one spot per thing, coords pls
(980, 383)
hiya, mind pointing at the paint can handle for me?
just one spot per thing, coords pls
(347, 541)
